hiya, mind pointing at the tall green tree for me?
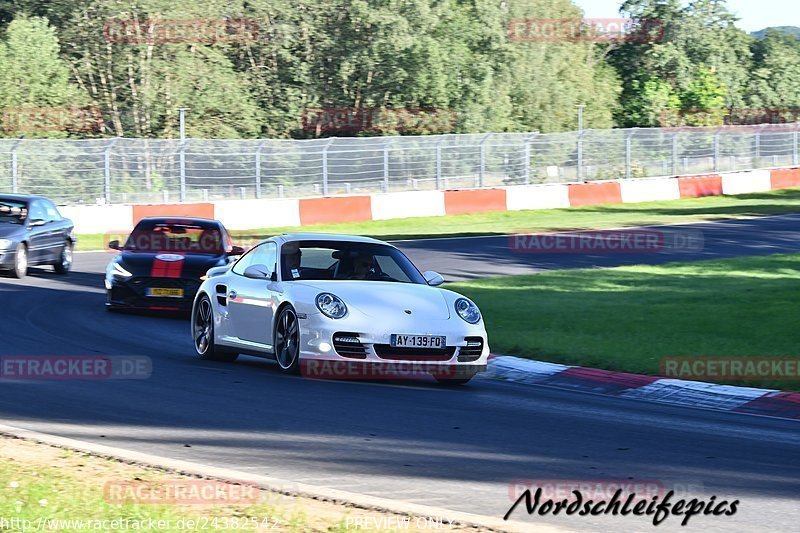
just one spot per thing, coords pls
(33, 75)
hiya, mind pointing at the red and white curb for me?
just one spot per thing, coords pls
(765, 402)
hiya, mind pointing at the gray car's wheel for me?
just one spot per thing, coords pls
(203, 334)
(20, 269)
(287, 341)
(64, 263)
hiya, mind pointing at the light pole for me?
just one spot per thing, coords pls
(182, 163)
(183, 111)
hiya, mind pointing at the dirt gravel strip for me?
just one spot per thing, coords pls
(279, 486)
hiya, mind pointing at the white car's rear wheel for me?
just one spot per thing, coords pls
(287, 341)
(203, 333)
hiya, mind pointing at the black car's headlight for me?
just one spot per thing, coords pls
(468, 311)
(119, 271)
(331, 305)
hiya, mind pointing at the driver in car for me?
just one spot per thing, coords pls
(292, 257)
(363, 266)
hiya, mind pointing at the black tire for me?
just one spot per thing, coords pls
(287, 341)
(64, 264)
(203, 334)
(20, 269)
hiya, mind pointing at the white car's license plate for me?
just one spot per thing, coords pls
(418, 341)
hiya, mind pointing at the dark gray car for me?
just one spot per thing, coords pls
(33, 232)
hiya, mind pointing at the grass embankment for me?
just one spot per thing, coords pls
(43, 484)
(629, 318)
(501, 223)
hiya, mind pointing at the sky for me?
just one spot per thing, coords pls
(754, 14)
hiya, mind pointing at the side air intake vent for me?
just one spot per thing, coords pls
(349, 345)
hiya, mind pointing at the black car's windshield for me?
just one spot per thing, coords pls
(337, 260)
(13, 211)
(177, 237)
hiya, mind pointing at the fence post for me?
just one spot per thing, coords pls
(628, 154)
(580, 154)
(528, 140)
(14, 166)
(716, 151)
(184, 144)
(258, 167)
(757, 148)
(482, 163)
(795, 153)
(107, 170)
(675, 154)
(439, 163)
(386, 165)
(325, 166)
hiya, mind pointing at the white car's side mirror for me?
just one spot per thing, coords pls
(434, 279)
(258, 272)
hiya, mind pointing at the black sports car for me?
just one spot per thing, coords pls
(33, 232)
(162, 263)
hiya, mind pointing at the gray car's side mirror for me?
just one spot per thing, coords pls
(258, 272)
(434, 279)
(114, 245)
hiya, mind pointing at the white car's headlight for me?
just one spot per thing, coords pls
(5, 243)
(468, 311)
(331, 305)
(117, 270)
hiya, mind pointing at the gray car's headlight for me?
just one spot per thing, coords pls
(331, 305)
(468, 311)
(5, 243)
(117, 270)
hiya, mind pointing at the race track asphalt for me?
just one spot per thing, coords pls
(453, 448)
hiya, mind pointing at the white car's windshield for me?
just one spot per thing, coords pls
(336, 260)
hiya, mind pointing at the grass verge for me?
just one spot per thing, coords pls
(629, 318)
(44, 484)
(504, 222)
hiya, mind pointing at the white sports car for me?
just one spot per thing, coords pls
(338, 306)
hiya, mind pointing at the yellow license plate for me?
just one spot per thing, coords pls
(165, 293)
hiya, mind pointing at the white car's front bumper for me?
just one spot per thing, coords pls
(325, 339)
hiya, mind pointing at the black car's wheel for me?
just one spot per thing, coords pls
(20, 269)
(64, 263)
(287, 341)
(203, 334)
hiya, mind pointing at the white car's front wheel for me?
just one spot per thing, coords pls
(287, 341)
(203, 333)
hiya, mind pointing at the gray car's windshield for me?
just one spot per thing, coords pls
(337, 260)
(13, 211)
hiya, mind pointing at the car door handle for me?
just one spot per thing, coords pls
(232, 295)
